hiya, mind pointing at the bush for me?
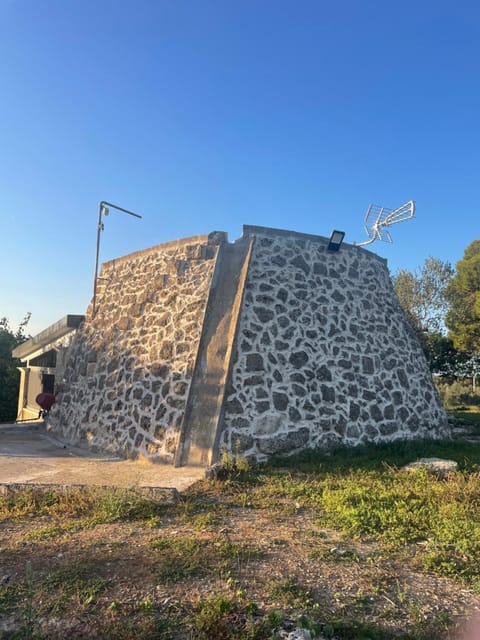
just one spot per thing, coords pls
(458, 394)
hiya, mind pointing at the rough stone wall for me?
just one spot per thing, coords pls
(324, 354)
(130, 366)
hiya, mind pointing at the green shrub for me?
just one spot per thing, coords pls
(458, 394)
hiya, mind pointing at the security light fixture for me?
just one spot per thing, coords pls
(104, 210)
(336, 240)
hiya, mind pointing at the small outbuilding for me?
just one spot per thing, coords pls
(43, 358)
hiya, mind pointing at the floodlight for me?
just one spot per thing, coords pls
(336, 240)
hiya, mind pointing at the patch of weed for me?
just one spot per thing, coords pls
(9, 597)
(276, 617)
(146, 621)
(163, 627)
(53, 530)
(400, 508)
(94, 504)
(396, 507)
(77, 584)
(170, 623)
(470, 418)
(225, 619)
(342, 460)
(206, 521)
(326, 553)
(233, 464)
(21, 599)
(124, 504)
(181, 558)
(290, 594)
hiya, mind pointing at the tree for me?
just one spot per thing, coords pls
(463, 295)
(422, 294)
(9, 375)
(470, 368)
(443, 359)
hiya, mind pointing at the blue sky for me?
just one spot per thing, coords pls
(204, 115)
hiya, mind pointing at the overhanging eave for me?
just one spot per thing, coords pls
(48, 335)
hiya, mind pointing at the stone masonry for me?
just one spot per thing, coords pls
(130, 367)
(318, 352)
(324, 354)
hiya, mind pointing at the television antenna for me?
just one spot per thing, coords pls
(377, 219)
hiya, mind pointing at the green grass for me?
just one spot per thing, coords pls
(365, 493)
(471, 417)
(50, 531)
(9, 596)
(95, 505)
(226, 619)
(183, 558)
(78, 584)
(471, 410)
(179, 559)
(291, 594)
(400, 508)
(377, 457)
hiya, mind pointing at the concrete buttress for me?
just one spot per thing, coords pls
(201, 427)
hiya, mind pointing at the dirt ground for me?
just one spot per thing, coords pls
(150, 576)
(118, 580)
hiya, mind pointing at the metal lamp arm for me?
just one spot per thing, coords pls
(103, 207)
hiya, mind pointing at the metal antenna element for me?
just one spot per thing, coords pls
(377, 219)
(103, 209)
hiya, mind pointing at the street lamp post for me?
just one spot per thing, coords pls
(103, 210)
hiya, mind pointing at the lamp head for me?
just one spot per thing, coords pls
(336, 240)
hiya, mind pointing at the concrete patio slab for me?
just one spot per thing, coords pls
(29, 454)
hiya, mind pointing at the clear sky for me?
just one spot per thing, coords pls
(204, 115)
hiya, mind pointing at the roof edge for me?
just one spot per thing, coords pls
(250, 229)
(51, 333)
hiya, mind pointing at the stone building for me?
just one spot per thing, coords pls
(267, 345)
